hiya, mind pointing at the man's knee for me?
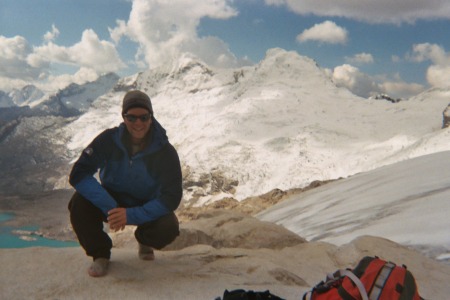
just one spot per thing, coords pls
(158, 233)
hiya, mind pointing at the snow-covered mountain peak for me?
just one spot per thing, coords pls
(280, 64)
(188, 75)
(23, 97)
(81, 96)
(27, 95)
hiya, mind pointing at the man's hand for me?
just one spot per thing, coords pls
(117, 218)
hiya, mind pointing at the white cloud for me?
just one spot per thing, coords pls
(164, 30)
(22, 62)
(438, 74)
(43, 56)
(93, 53)
(54, 83)
(365, 86)
(90, 52)
(326, 32)
(215, 52)
(360, 58)
(13, 59)
(433, 52)
(13, 48)
(8, 84)
(401, 89)
(379, 11)
(51, 35)
(356, 81)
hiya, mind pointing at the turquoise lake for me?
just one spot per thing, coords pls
(10, 240)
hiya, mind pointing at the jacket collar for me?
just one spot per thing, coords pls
(157, 139)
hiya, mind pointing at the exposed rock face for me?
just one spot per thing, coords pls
(446, 117)
(32, 150)
(226, 229)
(387, 98)
(249, 206)
(212, 183)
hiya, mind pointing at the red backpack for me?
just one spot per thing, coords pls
(373, 278)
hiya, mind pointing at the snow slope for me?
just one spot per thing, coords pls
(407, 202)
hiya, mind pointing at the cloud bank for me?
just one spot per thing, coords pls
(380, 11)
(162, 31)
(23, 63)
(367, 86)
(377, 12)
(360, 58)
(165, 31)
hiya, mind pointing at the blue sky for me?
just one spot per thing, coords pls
(375, 46)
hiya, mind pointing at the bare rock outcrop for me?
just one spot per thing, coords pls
(446, 117)
(227, 229)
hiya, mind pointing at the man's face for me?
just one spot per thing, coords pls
(138, 121)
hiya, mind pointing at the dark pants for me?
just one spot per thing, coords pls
(87, 222)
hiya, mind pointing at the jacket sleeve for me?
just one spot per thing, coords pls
(82, 175)
(165, 166)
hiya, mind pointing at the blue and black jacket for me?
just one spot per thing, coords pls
(148, 184)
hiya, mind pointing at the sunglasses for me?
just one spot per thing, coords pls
(133, 118)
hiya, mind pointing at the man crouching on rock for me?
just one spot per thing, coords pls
(140, 184)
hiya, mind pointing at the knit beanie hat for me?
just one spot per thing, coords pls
(136, 99)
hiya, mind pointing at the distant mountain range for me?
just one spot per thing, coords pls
(240, 132)
(32, 149)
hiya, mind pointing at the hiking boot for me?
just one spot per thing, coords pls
(146, 252)
(99, 267)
